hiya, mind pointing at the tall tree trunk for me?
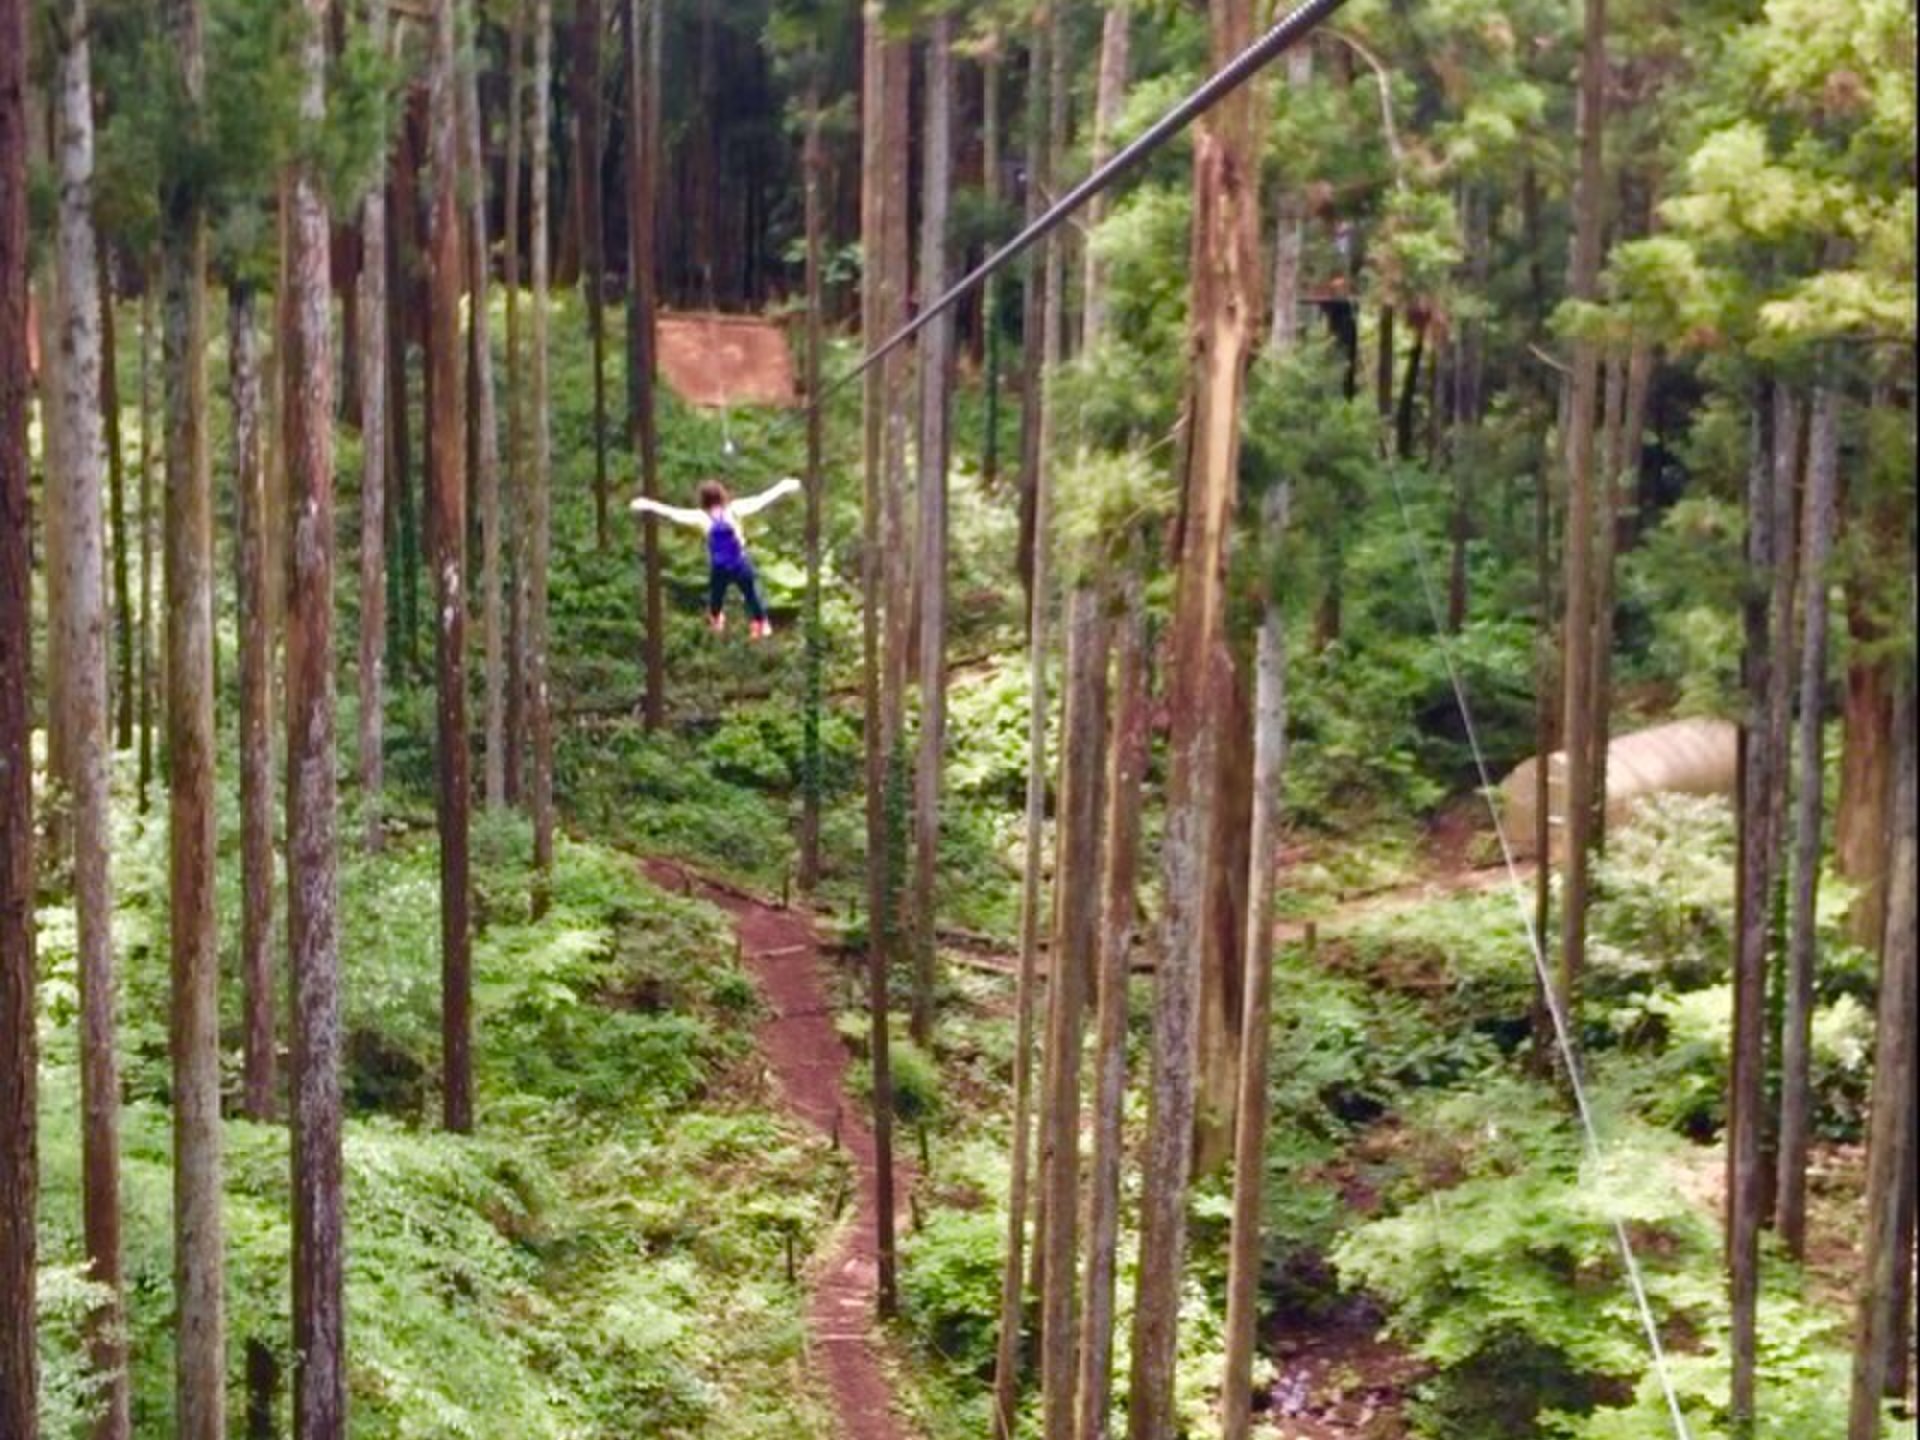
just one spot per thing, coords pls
(313, 942)
(515, 742)
(1746, 1087)
(1118, 861)
(121, 691)
(540, 489)
(1223, 961)
(1383, 373)
(1866, 751)
(82, 622)
(1467, 403)
(1037, 558)
(879, 307)
(1900, 1328)
(1789, 460)
(1410, 387)
(149, 670)
(1250, 1123)
(813, 164)
(1890, 1157)
(936, 364)
(1546, 689)
(1052, 355)
(1290, 227)
(403, 579)
(585, 74)
(19, 974)
(57, 804)
(256, 702)
(198, 1268)
(1033, 314)
(1115, 34)
(1796, 1077)
(483, 424)
(896, 379)
(1879, 526)
(447, 536)
(643, 178)
(375, 347)
(1071, 962)
(1583, 407)
(990, 147)
(1623, 468)
(1127, 762)
(1225, 300)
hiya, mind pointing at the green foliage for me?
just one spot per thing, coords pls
(1663, 897)
(950, 1286)
(916, 1084)
(548, 1277)
(1508, 1280)
(69, 1388)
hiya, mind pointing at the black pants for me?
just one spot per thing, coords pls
(721, 576)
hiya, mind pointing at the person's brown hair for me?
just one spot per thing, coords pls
(713, 495)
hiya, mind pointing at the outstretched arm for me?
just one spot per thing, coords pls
(752, 503)
(696, 518)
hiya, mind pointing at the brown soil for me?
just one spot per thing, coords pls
(809, 1062)
(1337, 1380)
(719, 360)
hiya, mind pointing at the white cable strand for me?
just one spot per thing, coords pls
(1562, 1035)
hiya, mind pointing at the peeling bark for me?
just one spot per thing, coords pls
(1225, 303)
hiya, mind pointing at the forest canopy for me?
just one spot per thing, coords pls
(691, 745)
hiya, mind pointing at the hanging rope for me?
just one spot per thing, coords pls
(1562, 1033)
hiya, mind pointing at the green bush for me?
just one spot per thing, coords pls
(1509, 1283)
(950, 1286)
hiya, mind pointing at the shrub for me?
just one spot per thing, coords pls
(1509, 1282)
(950, 1286)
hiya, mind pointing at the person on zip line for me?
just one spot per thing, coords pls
(719, 515)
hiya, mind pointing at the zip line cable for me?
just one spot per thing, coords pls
(1287, 31)
(1291, 28)
(1562, 1032)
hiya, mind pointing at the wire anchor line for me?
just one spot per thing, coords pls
(1562, 1031)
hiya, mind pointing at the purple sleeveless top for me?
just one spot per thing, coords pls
(725, 550)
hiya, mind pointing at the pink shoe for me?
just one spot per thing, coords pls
(717, 623)
(759, 629)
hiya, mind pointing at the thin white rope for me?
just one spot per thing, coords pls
(1562, 1035)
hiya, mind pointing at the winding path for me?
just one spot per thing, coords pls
(804, 1050)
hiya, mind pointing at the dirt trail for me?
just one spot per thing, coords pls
(804, 1050)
